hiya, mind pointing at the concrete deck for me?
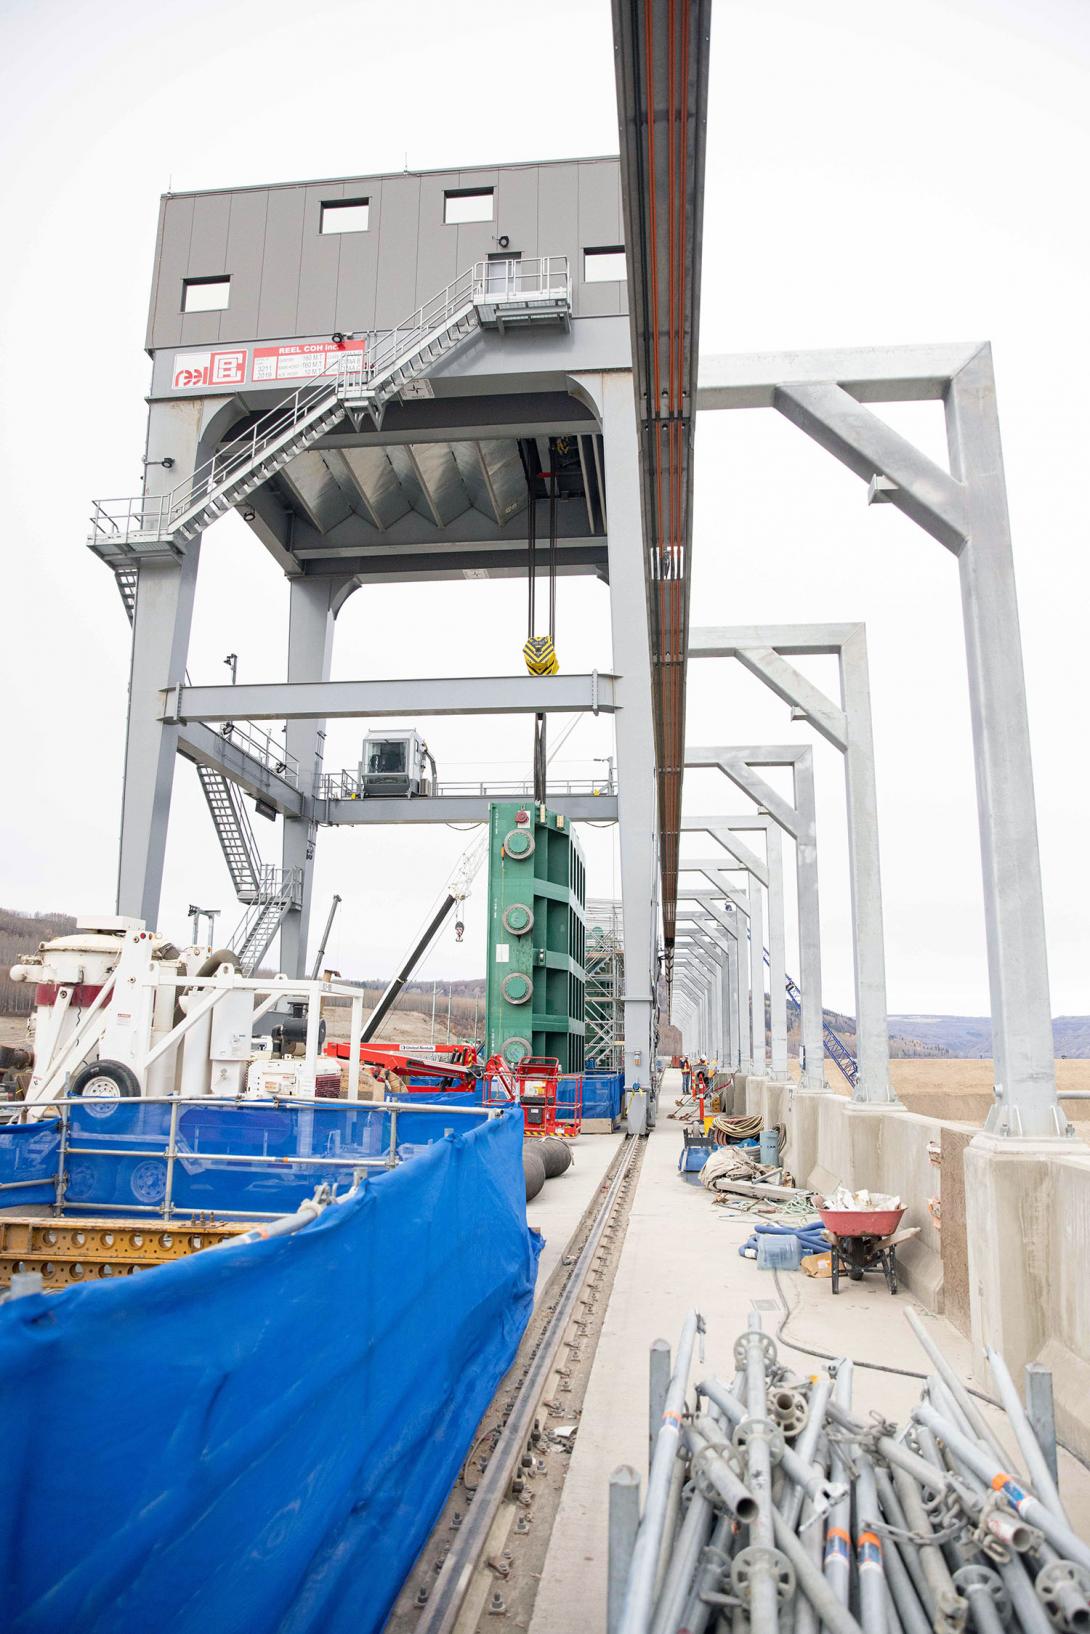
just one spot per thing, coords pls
(680, 1251)
(559, 1205)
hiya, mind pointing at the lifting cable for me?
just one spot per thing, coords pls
(540, 650)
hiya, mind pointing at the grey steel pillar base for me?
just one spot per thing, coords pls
(637, 796)
(160, 647)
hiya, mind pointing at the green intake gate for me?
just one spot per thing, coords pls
(536, 936)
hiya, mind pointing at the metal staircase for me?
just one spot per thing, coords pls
(279, 890)
(126, 581)
(834, 1044)
(495, 295)
(269, 894)
(232, 824)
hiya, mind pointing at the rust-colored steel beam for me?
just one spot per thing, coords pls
(662, 52)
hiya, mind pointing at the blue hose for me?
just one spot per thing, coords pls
(812, 1238)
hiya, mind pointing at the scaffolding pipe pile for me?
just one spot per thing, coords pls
(774, 1507)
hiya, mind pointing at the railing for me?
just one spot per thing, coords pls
(151, 1130)
(260, 745)
(353, 377)
(113, 520)
(346, 786)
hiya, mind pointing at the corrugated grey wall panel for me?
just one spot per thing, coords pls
(245, 255)
(357, 267)
(288, 279)
(437, 260)
(517, 213)
(156, 268)
(395, 280)
(177, 227)
(599, 227)
(558, 214)
(280, 273)
(319, 267)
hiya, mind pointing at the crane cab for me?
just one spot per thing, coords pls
(396, 765)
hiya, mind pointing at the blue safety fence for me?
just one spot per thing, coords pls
(29, 1158)
(257, 1439)
(222, 1157)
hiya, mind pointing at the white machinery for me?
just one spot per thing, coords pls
(122, 1012)
(396, 764)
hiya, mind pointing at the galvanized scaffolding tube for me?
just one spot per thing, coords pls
(1036, 1466)
(943, 1540)
(753, 1351)
(713, 1564)
(838, 1542)
(965, 1402)
(982, 1464)
(636, 1616)
(902, 1591)
(811, 1581)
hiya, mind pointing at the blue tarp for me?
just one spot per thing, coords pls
(603, 1093)
(29, 1155)
(258, 1438)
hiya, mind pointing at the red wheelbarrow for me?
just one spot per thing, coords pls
(865, 1240)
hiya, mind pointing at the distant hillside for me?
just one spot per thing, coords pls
(970, 1037)
(20, 933)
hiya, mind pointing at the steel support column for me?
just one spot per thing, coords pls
(160, 646)
(310, 653)
(636, 798)
(763, 650)
(824, 394)
(769, 873)
(798, 819)
(1022, 1045)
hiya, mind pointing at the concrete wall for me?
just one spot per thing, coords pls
(1008, 1264)
(289, 279)
(831, 1141)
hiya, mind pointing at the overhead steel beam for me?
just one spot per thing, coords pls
(662, 50)
(454, 808)
(356, 700)
(872, 374)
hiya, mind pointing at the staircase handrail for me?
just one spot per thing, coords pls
(351, 374)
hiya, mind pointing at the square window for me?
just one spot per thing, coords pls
(604, 266)
(345, 215)
(462, 204)
(205, 294)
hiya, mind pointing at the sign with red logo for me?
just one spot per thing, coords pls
(197, 370)
(300, 360)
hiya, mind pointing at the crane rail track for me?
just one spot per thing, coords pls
(463, 1572)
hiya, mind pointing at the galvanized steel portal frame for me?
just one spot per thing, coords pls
(825, 394)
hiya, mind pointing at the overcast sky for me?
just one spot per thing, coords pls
(877, 173)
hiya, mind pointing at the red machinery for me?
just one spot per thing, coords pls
(550, 1105)
(452, 1075)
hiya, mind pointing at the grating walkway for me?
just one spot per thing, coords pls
(681, 1251)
